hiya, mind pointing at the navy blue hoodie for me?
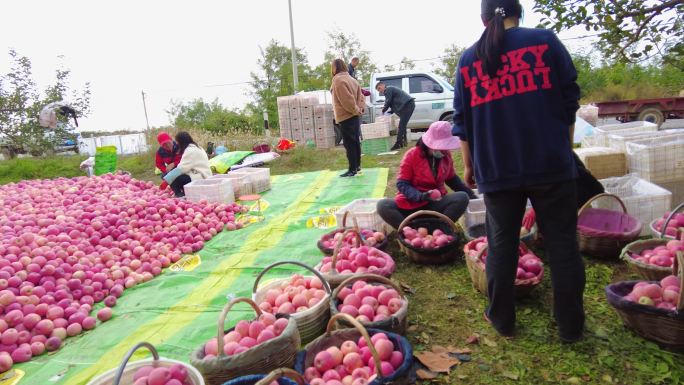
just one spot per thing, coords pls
(517, 124)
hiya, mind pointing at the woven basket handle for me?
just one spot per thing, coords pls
(368, 277)
(122, 366)
(282, 372)
(427, 213)
(678, 268)
(521, 247)
(364, 333)
(595, 197)
(344, 219)
(339, 244)
(672, 214)
(224, 314)
(326, 285)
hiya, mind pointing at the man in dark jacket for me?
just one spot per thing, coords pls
(400, 103)
(352, 67)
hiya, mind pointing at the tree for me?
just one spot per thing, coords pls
(347, 46)
(21, 102)
(406, 64)
(628, 30)
(449, 62)
(212, 117)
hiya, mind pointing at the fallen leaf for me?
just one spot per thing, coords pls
(483, 367)
(424, 374)
(439, 349)
(527, 311)
(451, 296)
(464, 357)
(510, 375)
(473, 339)
(573, 380)
(607, 378)
(462, 377)
(454, 350)
(490, 343)
(425, 337)
(412, 328)
(407, 289)
(437, 362)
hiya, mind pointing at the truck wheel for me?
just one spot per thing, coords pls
(652, 115)
(448, 117)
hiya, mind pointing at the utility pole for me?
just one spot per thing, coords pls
(145, 107)
(294, 53)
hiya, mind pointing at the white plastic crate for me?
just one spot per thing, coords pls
(366, 213)
(241, 183)
(476, 212)
(211, 190)
(259, 178)
(658, 159)
(644, 200)
(375, 130)
(600, 136)
(619, 141)
(677, 189)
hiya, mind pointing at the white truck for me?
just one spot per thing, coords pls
(434, 96)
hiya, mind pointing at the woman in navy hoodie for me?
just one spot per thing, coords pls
(515, 103)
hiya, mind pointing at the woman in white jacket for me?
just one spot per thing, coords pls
(194, 163)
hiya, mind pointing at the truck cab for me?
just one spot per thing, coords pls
(433, 95)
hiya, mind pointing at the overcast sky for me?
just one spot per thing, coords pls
(183, 49)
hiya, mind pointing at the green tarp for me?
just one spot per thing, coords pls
(178, 310)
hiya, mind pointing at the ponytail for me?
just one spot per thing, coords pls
(490, 46)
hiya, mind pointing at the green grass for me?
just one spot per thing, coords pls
(445, 309)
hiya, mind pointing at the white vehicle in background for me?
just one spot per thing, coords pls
(434, 95)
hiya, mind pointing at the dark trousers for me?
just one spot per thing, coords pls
(404, 117)
(556, 209)
(178, 183)
(351, 131)
(453, 205)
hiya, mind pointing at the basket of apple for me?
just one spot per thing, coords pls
(282, 376)
(670, 226)
(356, 356)
(370, 237)
(305, 298)
(375, 301)
(653, 309)
(266, 343)
(652, 259)
(430, 238)
(351, 260)
(529, 273)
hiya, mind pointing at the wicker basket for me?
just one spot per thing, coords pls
(335, 279)
(658, 325)
(311, 322)
(661, 234)
(284, 376)
(396, 323)
(124, 373)
(604, 233)
(328, 251)
(647, 271)
(404, 375)
(276, 353)
(478, 275)
(479, 231)
(431, 220)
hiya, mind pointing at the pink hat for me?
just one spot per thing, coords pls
(163, 137)
(438, 137)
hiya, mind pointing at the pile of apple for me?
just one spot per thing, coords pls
(660, 256)
(663, 295)
(176, 374)
(352, 363)
(368, 303)
(422, 239)
(372, 238)
(364, 259)
(247, 335)
(675, 227)
(529, 265)
(67, 244)
(293, 296)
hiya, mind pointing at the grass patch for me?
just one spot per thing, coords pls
(445, 309)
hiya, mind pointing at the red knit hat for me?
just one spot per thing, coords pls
(163, 137)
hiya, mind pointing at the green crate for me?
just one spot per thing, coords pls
(375, 146)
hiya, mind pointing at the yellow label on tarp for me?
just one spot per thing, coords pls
(261, 206)
(247, 219)
(187, 263)
(322, 222)
(329, 210)
(11, 377)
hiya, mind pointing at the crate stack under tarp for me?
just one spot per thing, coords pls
(304, 119)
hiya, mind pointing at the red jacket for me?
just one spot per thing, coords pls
(165, 157)
(415, 169)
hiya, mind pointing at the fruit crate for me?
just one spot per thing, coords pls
(476, 212)
(375, 130)
(644, 200)
(658, 159)
(677, 189)
(619, 141)
(366, 213)
(325, 142)
(603, 162)
(241, 183)
(259, 178)
(375, 146)
(600, 136)
(211, 190)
